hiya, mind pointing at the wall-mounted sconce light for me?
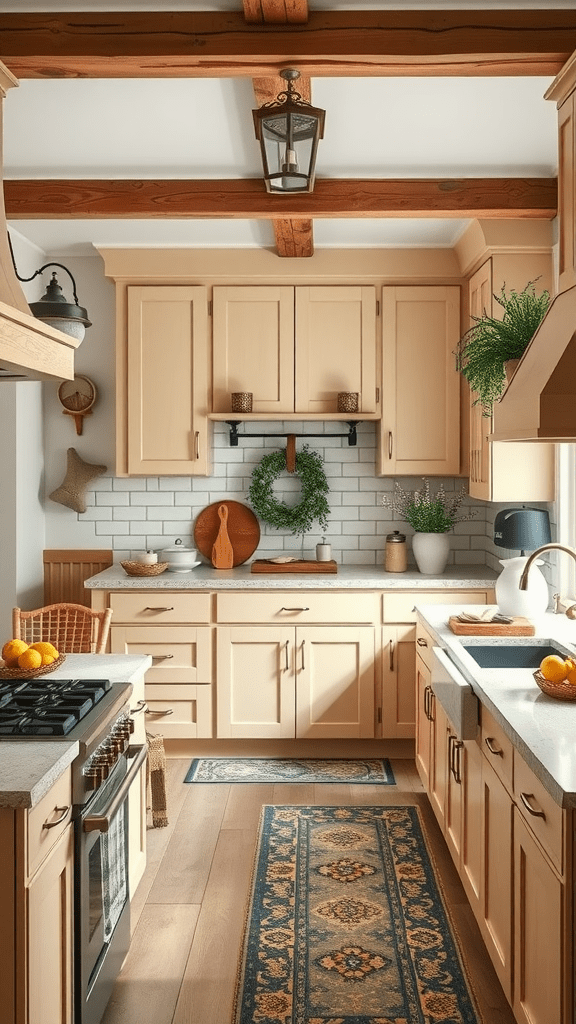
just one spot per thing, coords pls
(288, 130)
(53, 308)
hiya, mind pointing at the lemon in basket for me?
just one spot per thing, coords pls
(46, 650)
(571, 673)
(30, 659)
(12, 651)
(554, 668)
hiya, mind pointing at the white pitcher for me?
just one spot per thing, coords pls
(513, 601)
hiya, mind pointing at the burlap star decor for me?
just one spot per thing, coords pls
(72, 490)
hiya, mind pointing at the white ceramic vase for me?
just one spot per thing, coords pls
(513, 601)
(431, 552)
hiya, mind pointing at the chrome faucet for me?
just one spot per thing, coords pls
(523, 585)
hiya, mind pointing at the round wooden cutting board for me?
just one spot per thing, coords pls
(243, 530)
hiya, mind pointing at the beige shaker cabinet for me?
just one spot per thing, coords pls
(50, 936)
(420, 427)
(163, 399)
(504, 470)
(305, 682)
(563, 92)
(294, 348)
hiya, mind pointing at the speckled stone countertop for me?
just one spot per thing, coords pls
(542, 728)
(29, 767)
(353, 577)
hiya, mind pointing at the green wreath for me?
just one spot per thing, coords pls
(313, 505)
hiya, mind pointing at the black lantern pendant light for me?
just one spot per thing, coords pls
(288, 130)
(53, 308)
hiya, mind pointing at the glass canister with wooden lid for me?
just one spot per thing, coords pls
(395, 558)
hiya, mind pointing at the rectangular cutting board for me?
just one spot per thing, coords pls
(302, 565)
(518, 627)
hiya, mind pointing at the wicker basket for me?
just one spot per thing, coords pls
(139, 569)
(562, 691)
(31, 673)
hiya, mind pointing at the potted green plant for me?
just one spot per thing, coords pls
(430, 517)
(491, 342)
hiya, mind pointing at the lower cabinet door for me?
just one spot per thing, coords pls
(398, 681)
(50, 932)
(471, 845)
(423, 722)
(335, 682)
(538, 933)
(179, 712)
(495, 917)
(255, 673)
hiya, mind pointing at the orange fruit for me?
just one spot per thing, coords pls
(571, 673)
(47, 651)
(12, 651)
(554, 668)
(30, 659)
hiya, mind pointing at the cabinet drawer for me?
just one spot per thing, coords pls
(179, 712)
(543, 816)
(401, 607)
(42, 832)
(424, 644)
(160, 606)
(298, 606)
(497, 748)
(180, 654)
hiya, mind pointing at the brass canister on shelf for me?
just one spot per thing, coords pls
(395, 559)
(241, 401)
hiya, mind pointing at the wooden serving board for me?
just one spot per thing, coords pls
(302, 565)
(242, 527)
(518, 627)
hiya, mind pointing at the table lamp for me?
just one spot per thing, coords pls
(521, 529)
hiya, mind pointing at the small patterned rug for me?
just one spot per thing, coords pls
(347, 924)
(290, 769)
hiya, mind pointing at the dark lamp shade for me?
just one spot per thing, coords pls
(522, 529)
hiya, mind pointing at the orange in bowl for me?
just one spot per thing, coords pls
(554, 668)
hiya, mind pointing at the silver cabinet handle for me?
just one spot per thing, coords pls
(390, 444)
(65, 812)
(287, 664)
(140, 707)
(159, 609)
(168, 711)
(525, 798)
(161, 657)
(493, 750)
(391, 655)
(421, 641)
(455, 759)
(197, 443)
(295, 609)
(303, 664)
(101, 822)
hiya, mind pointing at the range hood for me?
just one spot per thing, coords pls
(539, 403)
(29, 349)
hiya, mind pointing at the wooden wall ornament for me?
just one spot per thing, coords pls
(77, 396)
(72, 490)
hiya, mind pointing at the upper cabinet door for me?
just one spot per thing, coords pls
(335, 347)
(566, 193)
(253, 347)
(167, 380)
(420, 427)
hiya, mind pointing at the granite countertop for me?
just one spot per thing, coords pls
(542, 728)
(353, 577)
(29, 767)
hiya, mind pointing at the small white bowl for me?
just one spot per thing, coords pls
(179, 557)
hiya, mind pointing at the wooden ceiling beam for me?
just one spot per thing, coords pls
(276, 12)
(182, 44)
(75, 199)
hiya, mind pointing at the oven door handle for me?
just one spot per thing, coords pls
(101, 822)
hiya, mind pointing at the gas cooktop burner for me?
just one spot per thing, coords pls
(51, 708)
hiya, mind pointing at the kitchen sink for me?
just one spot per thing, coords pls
(517, 655)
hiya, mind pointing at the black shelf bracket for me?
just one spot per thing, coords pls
(351, 433)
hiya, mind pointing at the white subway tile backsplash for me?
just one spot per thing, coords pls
(149, 498)
(112, 498)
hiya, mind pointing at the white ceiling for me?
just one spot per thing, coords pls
(185, 128)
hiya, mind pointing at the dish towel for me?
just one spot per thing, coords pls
(114, 875)
(156, 781)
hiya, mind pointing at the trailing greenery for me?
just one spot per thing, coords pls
(427, 514)
(313, 504)
(490, 342)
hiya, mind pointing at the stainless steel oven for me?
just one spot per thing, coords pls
(101, 878)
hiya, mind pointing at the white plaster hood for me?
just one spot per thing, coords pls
(29, 349)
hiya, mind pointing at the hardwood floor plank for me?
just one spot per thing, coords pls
(148, 987)
(188, 857)
(333, 794)
(293, 793)
(245, 803)
(207, 992)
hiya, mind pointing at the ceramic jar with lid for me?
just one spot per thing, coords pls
(395, 558)
(179, 557)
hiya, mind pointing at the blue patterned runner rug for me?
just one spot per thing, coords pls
(347, 924)
(291, 769)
